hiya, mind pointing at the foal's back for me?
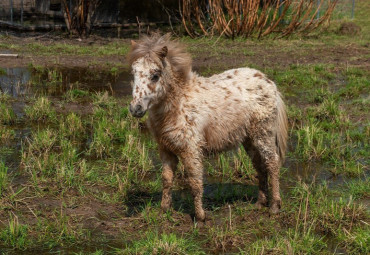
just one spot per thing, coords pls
(230, 105)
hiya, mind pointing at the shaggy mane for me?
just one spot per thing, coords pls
(179, 59)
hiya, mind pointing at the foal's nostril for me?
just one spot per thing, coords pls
(138, 108)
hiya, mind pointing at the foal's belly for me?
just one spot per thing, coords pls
(221, 139)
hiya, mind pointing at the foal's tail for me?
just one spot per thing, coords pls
(282, 129)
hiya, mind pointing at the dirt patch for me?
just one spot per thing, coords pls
(281, 58)
(78, 108)
(25, 60)
(237, 54)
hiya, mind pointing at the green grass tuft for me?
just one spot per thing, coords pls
(3, 178)
(7, 115)
(15, 234)
(41, 110)
(155, 243)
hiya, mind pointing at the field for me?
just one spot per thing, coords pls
(79, 175)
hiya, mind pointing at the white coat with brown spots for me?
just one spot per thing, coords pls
(190, 115)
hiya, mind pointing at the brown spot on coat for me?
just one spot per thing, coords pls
(152, 86)
(258, 75)
(229, 77)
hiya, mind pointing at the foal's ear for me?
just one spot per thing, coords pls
(163, 52)
(133, 43)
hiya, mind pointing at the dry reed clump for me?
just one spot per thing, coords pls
(258, 17)
(79, 15)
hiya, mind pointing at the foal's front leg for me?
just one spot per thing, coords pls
(169, 163)
(194, 170)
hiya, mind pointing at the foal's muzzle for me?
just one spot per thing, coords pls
(137, 110)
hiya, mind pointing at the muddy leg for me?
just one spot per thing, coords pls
(262, 189)
(169, 161)
(261, 174)
(270, 160)
(194, 170)
(273, 170)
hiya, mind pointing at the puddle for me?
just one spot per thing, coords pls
(6, 51)
(14, 81)
(22, 81)
(309, 172)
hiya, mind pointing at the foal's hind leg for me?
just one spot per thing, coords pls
(169, 161)
(270, 160)
(272, 164)
(261, 174)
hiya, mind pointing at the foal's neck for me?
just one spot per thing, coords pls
(176, 90)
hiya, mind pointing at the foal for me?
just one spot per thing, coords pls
(190, 115)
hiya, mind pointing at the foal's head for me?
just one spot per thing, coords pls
(155, 61)
(148, 86)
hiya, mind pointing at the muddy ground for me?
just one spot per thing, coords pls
(264, 55)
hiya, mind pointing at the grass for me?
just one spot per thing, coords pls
(7, 115)
(48, 156)
(4, 97)
(6, 133)
(359, 189)
(74, 95)
(54, 49)
(72, 127)
(232, 166)
(154, 243)
(316, 211)
(290, 242)
(3, 71)
(40, 110)
(15, 234)
(3, 178)
(325, 132)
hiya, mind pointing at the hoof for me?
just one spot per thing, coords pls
(274, 208)
(260, 205)
(165, 206)
(200, 216)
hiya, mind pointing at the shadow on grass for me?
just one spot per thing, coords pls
(215, 195)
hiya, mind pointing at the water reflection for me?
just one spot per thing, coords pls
(21, 81)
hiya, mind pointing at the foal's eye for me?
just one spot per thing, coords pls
(155, 77)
